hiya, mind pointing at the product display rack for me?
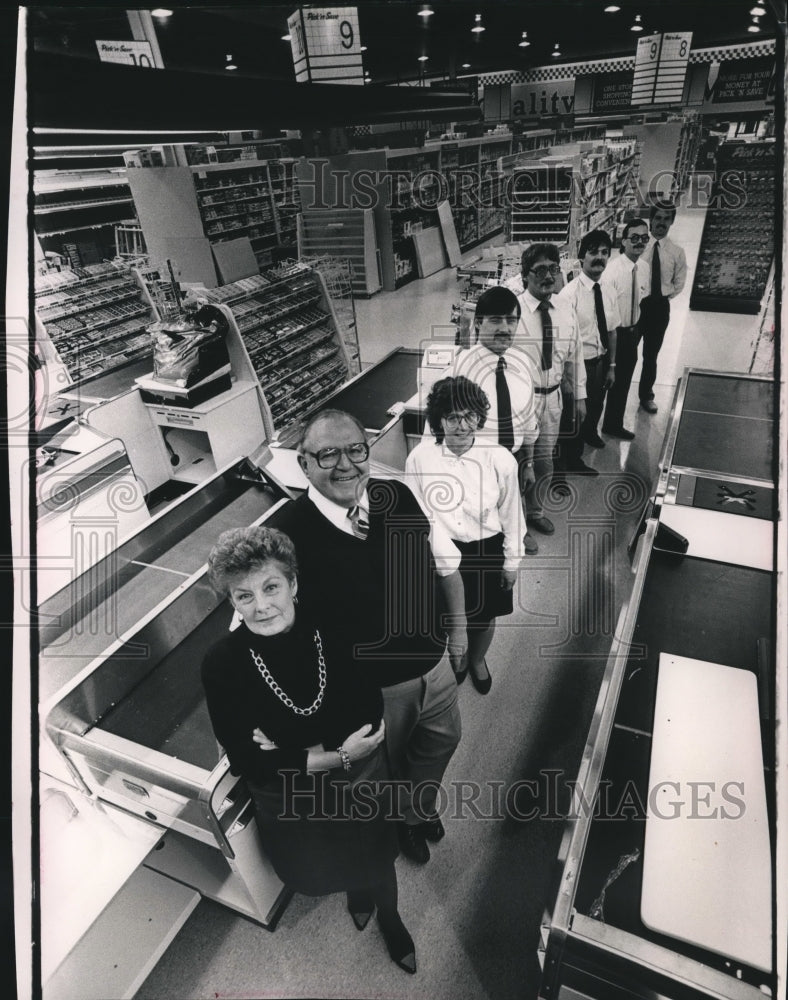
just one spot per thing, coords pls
(96, 318)
(186, 210)
(560, 197)
(348, 233)
(287, 324)
(737, 245)
(687, 152)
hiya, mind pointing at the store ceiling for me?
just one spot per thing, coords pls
(199, 37)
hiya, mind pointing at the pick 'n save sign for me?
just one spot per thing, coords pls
(128, 53)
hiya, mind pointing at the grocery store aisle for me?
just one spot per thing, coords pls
(475, 909)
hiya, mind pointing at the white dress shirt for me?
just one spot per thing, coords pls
(474, 495)
(479, 364)
(445, 552)
(617, 277)
(579, 293)
(672, 265)
(567, 349)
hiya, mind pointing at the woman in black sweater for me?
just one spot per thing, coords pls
(304, 727)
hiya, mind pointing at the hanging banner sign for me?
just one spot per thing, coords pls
(128, 53)
(742, 80)
(326, 45)
(646, 62)
(543, 100)
(612, 91)
(672, 69)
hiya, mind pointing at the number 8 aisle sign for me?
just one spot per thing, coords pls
(326, 45)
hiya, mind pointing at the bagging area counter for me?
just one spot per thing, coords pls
(665, 876)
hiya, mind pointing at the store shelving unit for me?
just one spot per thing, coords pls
(185, 210)
(289, 329)
(79, 207)
(737, 245)
(96, 318)
(687, 152)
(348, 233)
(559, 197)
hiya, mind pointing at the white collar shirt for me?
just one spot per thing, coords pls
(617, 277)
(479, 364)
(672, 265)
(445, 552)
(567, 357)
(474, 495)
(580, 296)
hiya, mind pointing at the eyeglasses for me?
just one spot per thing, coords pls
(544, 269)
(643, 238)
(453, 420)
(328, 458)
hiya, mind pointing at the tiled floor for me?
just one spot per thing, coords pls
(474, 910)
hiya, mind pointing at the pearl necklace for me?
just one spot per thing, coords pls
(265, 673)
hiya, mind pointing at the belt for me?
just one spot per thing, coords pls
(545, 392)
(596, 360)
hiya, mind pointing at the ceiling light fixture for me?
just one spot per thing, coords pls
(466, 65)
(612, 8)
(285, 38)
(758, 10)
(478, 26)
(363, 48)
(524, 43)
(426, 11)
(423, 58)
(230, 64)
(754, 27)
(161, 12)
(637, 26)
(556, 52)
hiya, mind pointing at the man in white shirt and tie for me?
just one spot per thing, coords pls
(548, 335)
(596, 310)
(667, 265)
(507, 375)
(626, 277)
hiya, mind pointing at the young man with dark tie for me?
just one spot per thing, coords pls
(596, 311)
(667, 267)
(626, 277)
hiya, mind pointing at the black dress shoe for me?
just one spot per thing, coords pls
(482, 686)
(618, 432)
(579, 468)
(399, 943)
(594, 440)
(433, 829)
(361, 906)
(412, 843)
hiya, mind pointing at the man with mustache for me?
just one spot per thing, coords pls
(667, 264)
(596, 310)
(548, 335)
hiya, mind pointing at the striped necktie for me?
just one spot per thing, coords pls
(359, 521)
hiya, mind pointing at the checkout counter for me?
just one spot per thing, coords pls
(139, 814)
(665, 874)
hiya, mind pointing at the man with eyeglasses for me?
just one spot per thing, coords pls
(497, 365)
(626, 277)
(373, 566)
(548, 335)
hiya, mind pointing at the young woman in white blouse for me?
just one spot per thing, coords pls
(470, 485)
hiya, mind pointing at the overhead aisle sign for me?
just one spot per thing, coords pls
(661, 68)
(127, 53)
(646, 62)
(326, 45)
(672, 69)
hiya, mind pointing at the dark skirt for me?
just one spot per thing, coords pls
(480, 569)
(327, 831)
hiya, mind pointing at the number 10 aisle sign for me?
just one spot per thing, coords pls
(326, 45)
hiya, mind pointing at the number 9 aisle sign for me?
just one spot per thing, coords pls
(326, 45)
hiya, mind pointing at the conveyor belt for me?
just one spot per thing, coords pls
(369, 396)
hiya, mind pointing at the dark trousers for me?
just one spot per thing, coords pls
(573, 433)
(627, 340)
(654, 319)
